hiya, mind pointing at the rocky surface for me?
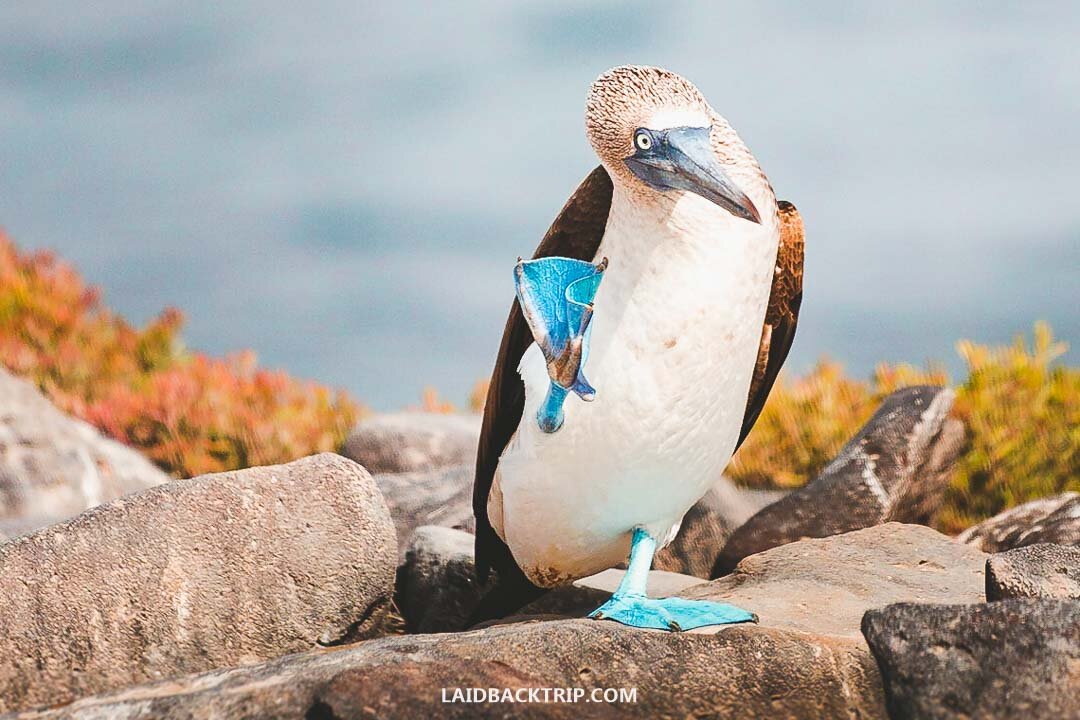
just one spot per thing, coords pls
(413, 442)
(1017, 658)
(740, 672)
(195, 574)
(1054, 519)
(423, 464)
(437, 588)
(806, 658)
(895, 468)
(845, 573)
(440, 497)
(53, 466)
(708, 525)
(826, 584)
(1044, 570)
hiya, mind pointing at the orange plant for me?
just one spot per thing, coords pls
(189, 413)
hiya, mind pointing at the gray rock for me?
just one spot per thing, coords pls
(1054, 519)
(895, 468)
(53, 466)
(1017, 658)
(437, 588)
(423, 464)
(1043, 570)
(440, 497)
(825, 585)
(741, 672)
(413, 442)
(708, 525)
(806, 658)
(195, 574)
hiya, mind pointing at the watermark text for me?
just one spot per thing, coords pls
(539, 695)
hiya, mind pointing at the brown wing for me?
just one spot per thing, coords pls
(576, 233)
(781, 317)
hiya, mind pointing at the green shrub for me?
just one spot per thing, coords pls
(1022, 413)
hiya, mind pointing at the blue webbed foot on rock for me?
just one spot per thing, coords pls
(671, 613)
(630, 606)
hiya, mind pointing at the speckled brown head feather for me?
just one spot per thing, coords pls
(626, 98)
(632, 96)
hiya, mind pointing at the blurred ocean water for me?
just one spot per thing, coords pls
(344, 187)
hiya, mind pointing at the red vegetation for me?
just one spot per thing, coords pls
(188, 412)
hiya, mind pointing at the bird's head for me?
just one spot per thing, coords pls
(652, 128)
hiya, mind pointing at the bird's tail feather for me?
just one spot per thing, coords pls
(511, 592)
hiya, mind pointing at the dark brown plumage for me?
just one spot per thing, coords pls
(576, 233)
(781, 317)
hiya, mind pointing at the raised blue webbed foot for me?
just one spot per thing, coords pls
(671, 613)
(630, 606)
(556, 295)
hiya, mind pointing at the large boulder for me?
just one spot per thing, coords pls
(53, 466)
(1054, 519)
(1017, 658)
(895, 468)
(806, 658)
(196, 574)
(825, 585)
(1043, 570)
(413, 441)
(740, 672)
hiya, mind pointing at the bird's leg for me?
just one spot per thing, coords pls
(631, 606)
(550, 414)
(555, 295)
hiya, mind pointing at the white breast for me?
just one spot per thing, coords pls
(675, 334)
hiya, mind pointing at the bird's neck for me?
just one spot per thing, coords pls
(650, 229)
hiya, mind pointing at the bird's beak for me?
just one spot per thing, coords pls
(682, 158)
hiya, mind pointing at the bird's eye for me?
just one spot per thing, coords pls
(642, 140)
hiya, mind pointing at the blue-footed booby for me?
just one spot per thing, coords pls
(646, 334)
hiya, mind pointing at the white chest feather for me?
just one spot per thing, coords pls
(675, 334)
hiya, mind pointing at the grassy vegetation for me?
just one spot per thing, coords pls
(188, 412)
(1020, 408)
